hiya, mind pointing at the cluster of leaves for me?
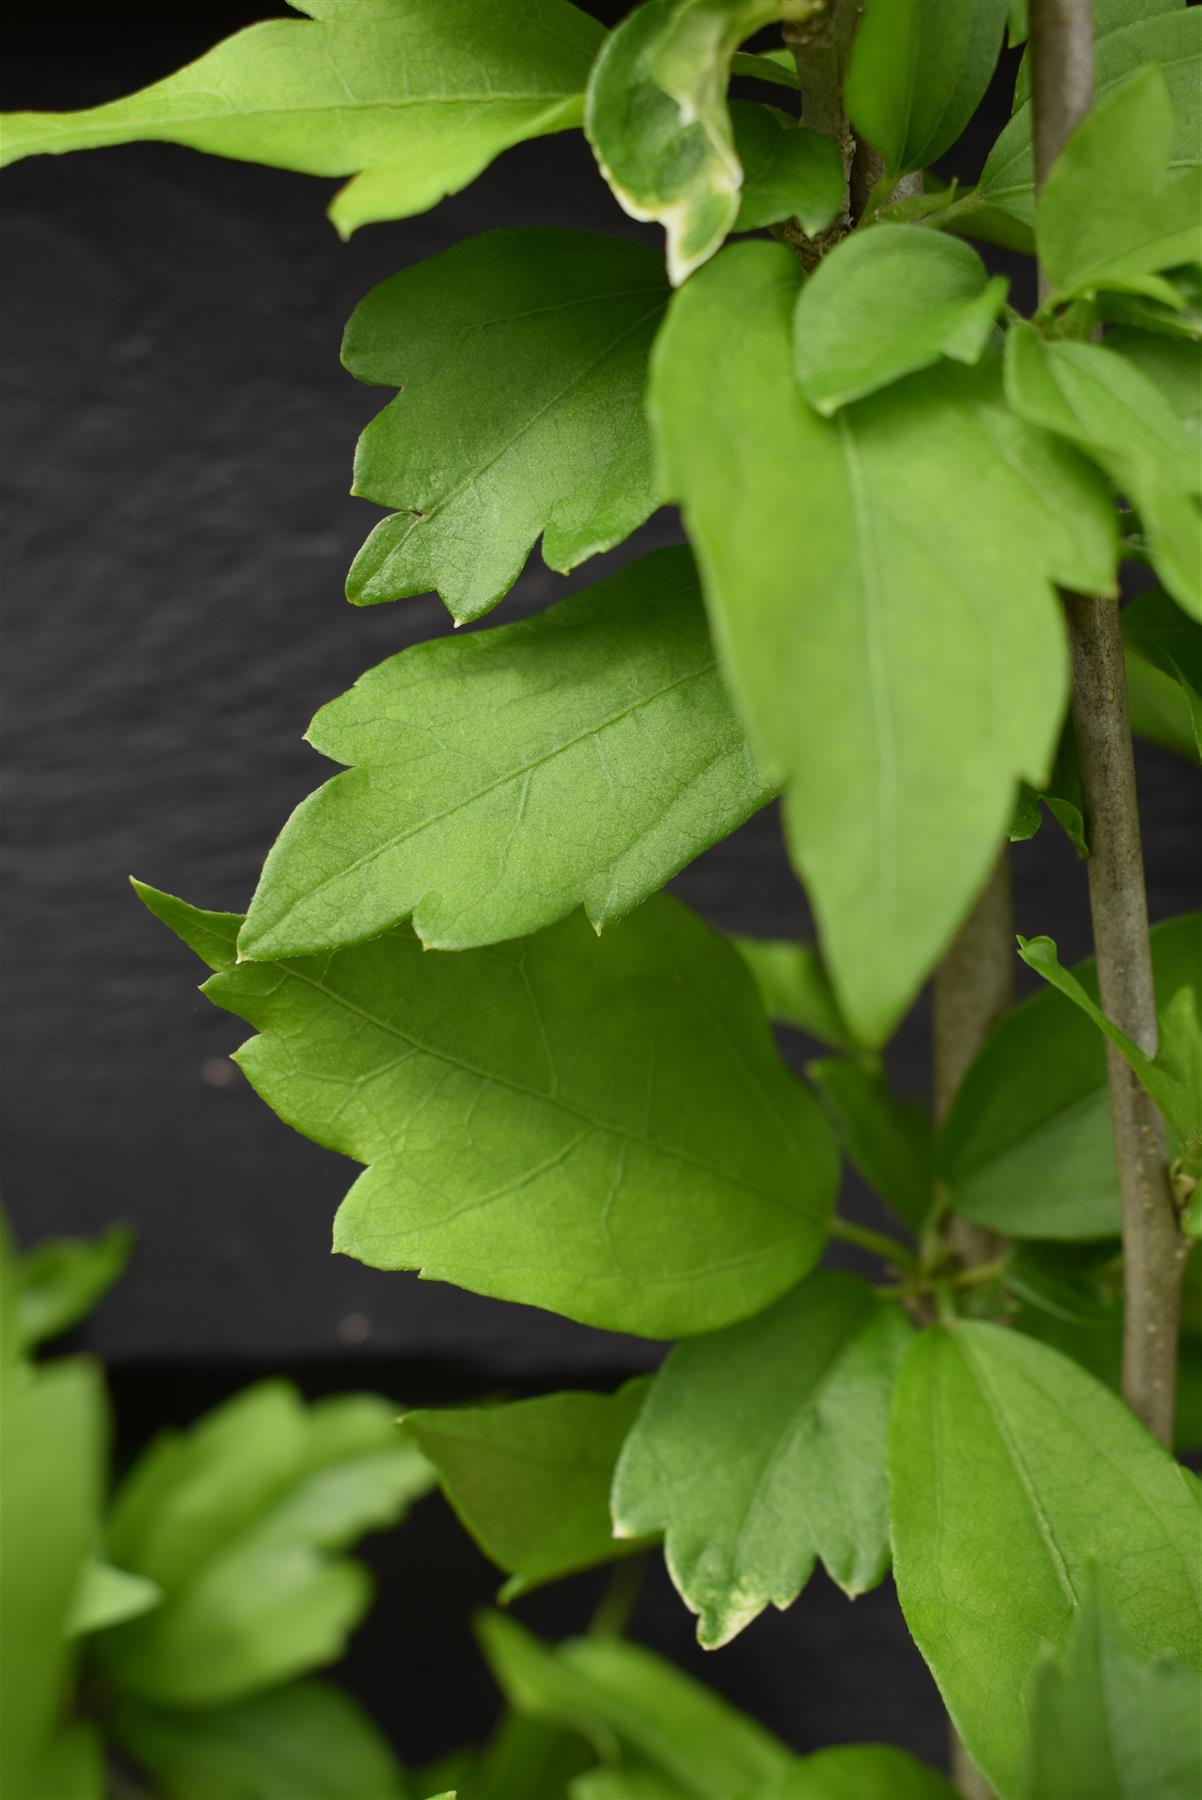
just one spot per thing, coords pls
(176, 1621)
(884, 473)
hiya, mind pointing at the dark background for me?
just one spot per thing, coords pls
(177, 436)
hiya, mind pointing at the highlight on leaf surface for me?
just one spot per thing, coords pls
(1027, 1147)
(599, 1126)
(522, 362)
(885, 303)
(530, 1480)
(501, 779)
(413, 98)
(657, 118)
(1012, 1473)
(855, 613)
(762, 1448)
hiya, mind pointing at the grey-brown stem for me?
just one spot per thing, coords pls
(1153, 1251)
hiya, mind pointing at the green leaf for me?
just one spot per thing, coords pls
(1123, 46)
(788, 171)
(657, 118)
(502, 779)
(1107, 1722)
(1171, 364)
(1158, 708)
(762, 1448)
(855, 610)
(795, 988)
(1108, 16)
(1028, 1148)
(73, 1767)
(884, 303)
(601, 1127)
(239, 1520)
(309, 1741)
(531, 1480)
(1082, 1286)
(1136, 313)
(1165, 639)
(524, 1756)
(412, 97)
(1097, 400)
(1011, 1472)
(890, 1141)
(522, 359)
(621, 1696)
(1181, 1108)
(106, 1596)
(626, 1783)
(1113, 213)
(776, 66)
(858, 1772)
(919, 70)
(52, 1451)
(62, 1279)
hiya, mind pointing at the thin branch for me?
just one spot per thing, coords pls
(1062, 91)
(877, 1243)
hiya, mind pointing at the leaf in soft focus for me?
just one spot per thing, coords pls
(885, 303)
(1167, 35)
(919, 70)
(240, 1521)
(1107, 1722)
(859, 1772)
(500, 780)
(656, 115)
(1028, 1146)
(625, 1698)
(1166, 639)
(890, 1141)
(1180, 1106)
(62, 1279)
(1106, 406)
(795, 988)
(530, 1480)
(52, 1454)
(107, 1596)
(762, 1448)
(308, 1741)
(599, 1126)
(855, 612)
(522, 362)
(414, 98)
(788, 171)
(1011, 1473)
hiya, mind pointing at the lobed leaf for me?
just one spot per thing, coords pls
(1167, 35)
(855, 610)
(1099, 401)
(522, 362)
(530, 1481)
(919, 70)
(239, 1522)
(885, 303)
(308, 1740)
(500, 780)
(1011, 1473)
(414, 98)
(1028, 1148)
(601, 1127)
(1106, 1722)
(656, 115)
(762, 1448)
